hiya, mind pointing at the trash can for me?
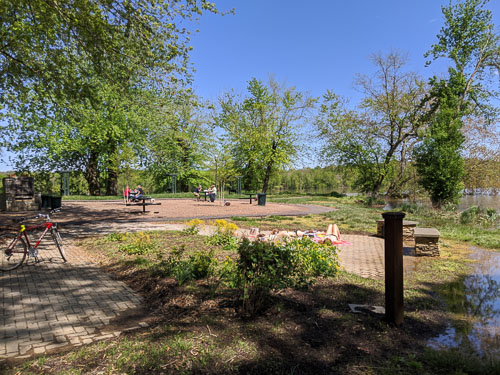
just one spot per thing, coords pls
(261, 199)
(46, 201)
(55, 202)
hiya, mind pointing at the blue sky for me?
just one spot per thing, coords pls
(314, 45)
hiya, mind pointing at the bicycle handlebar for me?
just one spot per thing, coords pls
(45, 216)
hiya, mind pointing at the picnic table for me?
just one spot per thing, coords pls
(206, 193)
(143, 203)
(250, 196)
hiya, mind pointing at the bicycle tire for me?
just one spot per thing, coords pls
(58, 241)
(14, 259)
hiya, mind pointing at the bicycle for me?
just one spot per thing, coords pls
(19, 246)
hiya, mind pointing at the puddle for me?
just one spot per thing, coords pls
(478, 299)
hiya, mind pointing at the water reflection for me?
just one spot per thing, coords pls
(477, 299)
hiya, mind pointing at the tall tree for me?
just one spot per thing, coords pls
(469, 40)
(264, 128)
(57, 59)
(179, 142)
(50, 44)
(482, 155)
(378, 135)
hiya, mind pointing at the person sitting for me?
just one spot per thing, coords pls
(212, 192)
(197, 192)
(126, 193)
(139, 193)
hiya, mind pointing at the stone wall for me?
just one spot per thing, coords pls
(408, 229)
(19, 195)
(427, 246)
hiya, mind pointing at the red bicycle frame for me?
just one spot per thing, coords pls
(47, 225)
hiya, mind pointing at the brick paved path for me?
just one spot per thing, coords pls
(51, 305)
(365, 256)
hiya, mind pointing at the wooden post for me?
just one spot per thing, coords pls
(393, 230)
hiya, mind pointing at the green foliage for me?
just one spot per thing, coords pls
(336, 194)
(438, 160)
(375, 138)
(265, 266)
(203, 264)
(239, 218)
(84, 83)
(370, 201)
(469, 39)
(193, 226)
(136, 243)
(479, 215)
(224, 235)
(179, 136)
(413, 208)
(263, 129)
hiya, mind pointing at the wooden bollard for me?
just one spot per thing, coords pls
(393, 230)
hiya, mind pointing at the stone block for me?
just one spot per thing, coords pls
(426, 241)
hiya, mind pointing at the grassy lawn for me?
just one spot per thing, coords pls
(198, 329)
(353, 217)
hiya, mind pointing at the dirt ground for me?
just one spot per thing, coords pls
(168, 210)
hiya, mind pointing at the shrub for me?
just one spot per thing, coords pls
(193, 226)
(224, 235)
(371, 201)
(479, 215)
(117, 237)
(336, 194)
(413, 208)
(203, 264)
(263, 267)
(138, 243)
(225, 227)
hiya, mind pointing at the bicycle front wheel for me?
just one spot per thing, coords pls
(58, 241)
(12, 251)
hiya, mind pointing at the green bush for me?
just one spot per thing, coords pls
(336, 194)
(412, 208)
(479, 215)
(203, 264)
(371, 201)
(224, 235)
(263, 267)
(135, 243)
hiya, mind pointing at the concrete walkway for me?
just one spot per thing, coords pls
(51, 305)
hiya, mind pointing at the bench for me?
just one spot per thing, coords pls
(250, 197)
(143, 203)
(408, 229)
(426, 242)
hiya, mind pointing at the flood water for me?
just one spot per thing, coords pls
(478, 299)
(485, 201)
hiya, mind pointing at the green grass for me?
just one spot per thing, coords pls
(352, 215)
(206, 336)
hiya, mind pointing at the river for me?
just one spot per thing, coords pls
(478, 299)
(485, 201)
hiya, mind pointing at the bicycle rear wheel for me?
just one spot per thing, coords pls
(58, 241)
(12, 251)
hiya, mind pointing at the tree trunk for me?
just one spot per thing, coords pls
(112, 183)
(92, 174)
(267, 176)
